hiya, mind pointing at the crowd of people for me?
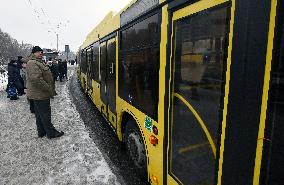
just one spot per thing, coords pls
(38, 78)
(57, 68)
(17, 75)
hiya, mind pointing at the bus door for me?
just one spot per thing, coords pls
(199, 55)
(89, 63)
(111, 81)
(103, 77)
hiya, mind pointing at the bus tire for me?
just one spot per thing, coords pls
(84, 88)
(135, 148)
(83, 85)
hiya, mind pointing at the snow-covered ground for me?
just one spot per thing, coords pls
(26, 159)
(3, 81)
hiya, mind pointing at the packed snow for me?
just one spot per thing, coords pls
(26, 159)
(3, 79)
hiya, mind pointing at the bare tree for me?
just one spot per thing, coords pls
(10, 48)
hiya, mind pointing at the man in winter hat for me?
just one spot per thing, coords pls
(40, 89)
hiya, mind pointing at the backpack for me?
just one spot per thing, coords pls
(11, 90)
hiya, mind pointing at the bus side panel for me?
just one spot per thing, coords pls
(96, 94)
(154, 153)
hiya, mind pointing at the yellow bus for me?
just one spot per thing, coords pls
(193, 88)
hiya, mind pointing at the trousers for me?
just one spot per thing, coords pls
(43, 117)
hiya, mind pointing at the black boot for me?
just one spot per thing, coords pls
(58, 134)
(41, 135)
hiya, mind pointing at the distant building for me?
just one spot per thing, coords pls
(48, 53)
(63, 55)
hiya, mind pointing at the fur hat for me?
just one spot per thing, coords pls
(36, 49)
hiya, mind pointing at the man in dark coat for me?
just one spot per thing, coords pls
(61, 69)
(54, 69)
(65, 68)
(14, 76)
(20, 66)
(40, 88)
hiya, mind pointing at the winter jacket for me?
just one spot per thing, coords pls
(40, 85)
(23, 75)
(14, 75)
(54, 70)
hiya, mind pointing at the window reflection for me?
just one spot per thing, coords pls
(139, 65)
(89, 66)
(83, 62)
(103, 70)
(111, 60)
(275, 108)
(199, 60)
(95, 63)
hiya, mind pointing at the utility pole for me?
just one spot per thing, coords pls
(67, 57)
(67, 50)
(57, 41)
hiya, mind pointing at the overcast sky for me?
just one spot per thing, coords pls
(37, 21)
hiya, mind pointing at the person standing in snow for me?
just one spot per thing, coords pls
(14, 76)
(61, 69)
(65, 69)
(20, 66)
(23, 74)
(54, 70)
(32, 109)
(40, 89)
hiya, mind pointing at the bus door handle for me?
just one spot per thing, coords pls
(111, 69)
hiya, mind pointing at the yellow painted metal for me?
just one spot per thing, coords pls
(196, 7)
(156, 157)
(259, 148)
(111, 118)
(103, 109)
(192, 147)
(96, 96)
(170, 113)
(172, 181)
(83, 80)
(110, 23)
(154, 153)
(200, 121)
(226, 97)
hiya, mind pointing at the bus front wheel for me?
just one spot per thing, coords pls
(135, 148)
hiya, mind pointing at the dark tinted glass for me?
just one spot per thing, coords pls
(89, 67)
(199, 60)
(111, 52)
(83, 61)
(95, 64)
(137, 9)
(275, 110)
(111, 87)
(139, 65)
(142, 34)
(103, 71)
(89, 58)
